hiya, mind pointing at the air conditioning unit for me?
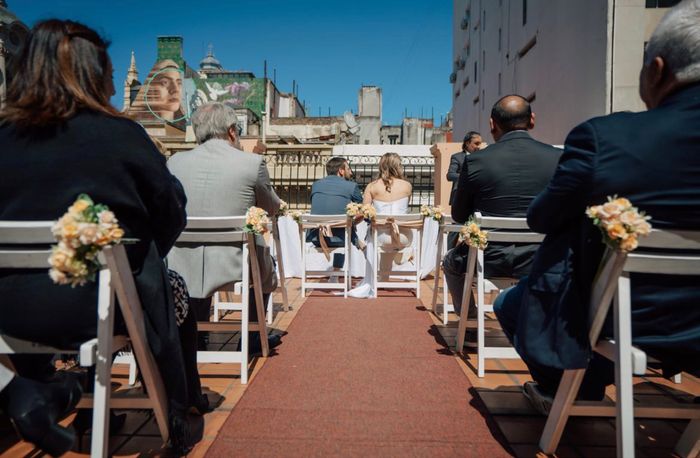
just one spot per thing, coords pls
(453, 77)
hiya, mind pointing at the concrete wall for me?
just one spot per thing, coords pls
(564, 69)
(369, 101)
(585, 60)
(370, 127)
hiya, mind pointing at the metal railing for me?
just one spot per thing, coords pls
(294, 168)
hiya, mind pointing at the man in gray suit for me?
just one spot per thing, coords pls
(329, 196)
(220, 180)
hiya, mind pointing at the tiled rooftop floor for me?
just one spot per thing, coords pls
(499, 390)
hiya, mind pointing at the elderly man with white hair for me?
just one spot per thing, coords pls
(221, 180)
(653, 159)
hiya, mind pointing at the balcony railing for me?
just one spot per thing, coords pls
(294, 168)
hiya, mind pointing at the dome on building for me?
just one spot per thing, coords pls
(210, 62)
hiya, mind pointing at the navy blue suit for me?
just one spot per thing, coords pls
(330, 196)
(653, 159)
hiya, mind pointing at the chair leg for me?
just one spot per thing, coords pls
(689, 444)
(436, 285)
(480, 318)
(244, 339)
(561, 409)
(132, 370)
(270, 308)
(103, 368)
(623, 369)
(217, 303)
(257, 291)
(466, 292)
(418, 250)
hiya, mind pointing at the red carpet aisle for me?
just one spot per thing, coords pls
(358, 378)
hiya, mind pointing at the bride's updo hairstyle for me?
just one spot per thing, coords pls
(389, 168)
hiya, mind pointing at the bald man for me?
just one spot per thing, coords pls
(501, 180)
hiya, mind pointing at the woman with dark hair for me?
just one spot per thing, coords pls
(61, 137)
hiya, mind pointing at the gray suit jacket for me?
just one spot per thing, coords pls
(220, 180)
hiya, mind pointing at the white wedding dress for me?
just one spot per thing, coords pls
(366, 288)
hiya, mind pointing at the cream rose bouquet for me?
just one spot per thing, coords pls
(472, 235)
(434, 212)
(364, 211)
(256, 221)
(620, 223)
(81, 234)
(285, 211)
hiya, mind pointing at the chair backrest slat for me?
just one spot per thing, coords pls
(407, 218)
(215, 222)
(213, 230)
(671, 239)
(26, 232)
(24, 259)
(663, 264)
(514, 237)
(493, 222)
(319, 219)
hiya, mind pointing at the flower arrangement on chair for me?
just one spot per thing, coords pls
(256, 221)
(81, 234)
(434, 212)
(365, 211)
(620, 223)
(472, 235)
(285, 211)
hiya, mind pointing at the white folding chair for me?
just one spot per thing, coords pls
(225, 230)
(500, 230)
(446, 226)
(309, 222)
(25, 245)
(276, 249)
(415, 220)
(613, 282)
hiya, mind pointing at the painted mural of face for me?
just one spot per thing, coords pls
(165, 91)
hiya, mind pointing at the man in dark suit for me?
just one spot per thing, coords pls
(653, 159)
(472, 142)
(501, 180)
(329, 196)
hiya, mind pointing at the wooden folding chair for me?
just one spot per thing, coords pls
(25, 245)
(416, 222)
(225, 230)
(500, 230)
(309, 222)
(446, 226)
(613, 282)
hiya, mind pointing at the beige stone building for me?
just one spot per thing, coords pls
(574, 59)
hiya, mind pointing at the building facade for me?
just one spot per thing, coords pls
(572, 59)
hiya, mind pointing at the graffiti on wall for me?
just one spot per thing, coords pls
(171, 95)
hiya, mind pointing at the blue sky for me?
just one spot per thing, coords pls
(329, 47)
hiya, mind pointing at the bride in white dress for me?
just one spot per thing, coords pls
(389, 194)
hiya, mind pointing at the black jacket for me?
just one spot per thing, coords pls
(501, 180)
(112, 160)
(653, 159)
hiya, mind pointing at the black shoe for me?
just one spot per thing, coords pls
(254, 346)
(201, 405)
(202, 341)
(34, 409)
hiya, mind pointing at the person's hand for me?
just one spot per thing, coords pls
(260, 148)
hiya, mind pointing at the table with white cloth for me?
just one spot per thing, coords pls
(316, 260)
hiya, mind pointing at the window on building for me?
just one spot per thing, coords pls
(475, 71)
(499, 39)
(483, 22)
(483, 61)
(524, 12)
(661, 3)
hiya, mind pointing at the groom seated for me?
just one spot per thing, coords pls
(330, 196)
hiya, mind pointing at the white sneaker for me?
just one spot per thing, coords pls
(362, 291)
